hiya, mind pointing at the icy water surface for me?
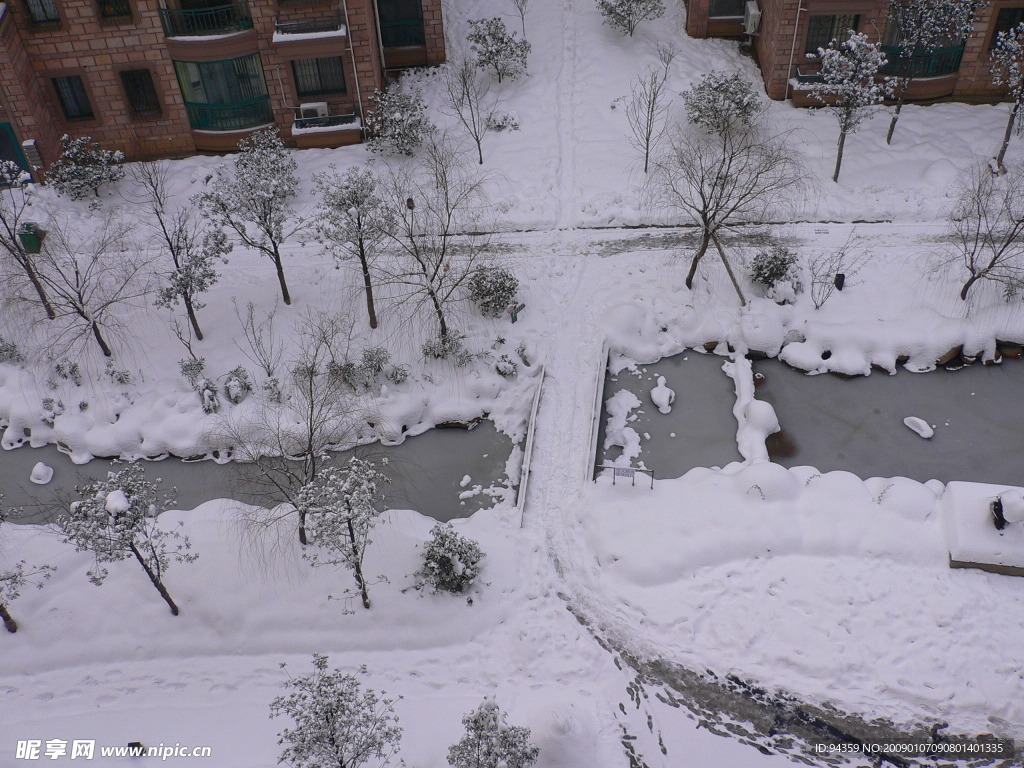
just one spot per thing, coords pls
(857, 424)
(700, 430)
(426, 474)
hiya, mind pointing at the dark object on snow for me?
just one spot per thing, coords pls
(840, 280)
(514, 310)
(997, 514)
(410, 204)
(31, 237)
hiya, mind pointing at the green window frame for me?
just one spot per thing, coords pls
(823, 29)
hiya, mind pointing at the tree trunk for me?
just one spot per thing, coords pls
(728, 271)
(280, 278)
(967, 286)
(156, 582)
(302, 527)
(439, 311)
(705, 240)
(479, 149)
(839, 155)
(192, 317)
(40, 291)
(9, 623)
(904, 86)
(1006, 136)
(357, 566)
(367, 285)
(100, 341)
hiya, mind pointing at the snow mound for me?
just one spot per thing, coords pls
(41, 473)
(662, 396)
(117, 502)
(1013, 505)
(920, 426)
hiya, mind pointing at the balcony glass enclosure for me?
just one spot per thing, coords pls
(225, 95)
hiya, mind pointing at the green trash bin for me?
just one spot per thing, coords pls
(28, 233)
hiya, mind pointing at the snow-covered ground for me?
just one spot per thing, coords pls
(831, 588)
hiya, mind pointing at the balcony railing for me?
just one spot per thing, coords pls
(330, 121)
(329, 24)
(941, 61)
(236, 116)
(395, 34)
(220, 20)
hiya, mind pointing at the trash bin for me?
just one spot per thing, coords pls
(28, 233)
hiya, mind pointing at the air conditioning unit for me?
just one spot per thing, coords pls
(314, 109)
(751, 17)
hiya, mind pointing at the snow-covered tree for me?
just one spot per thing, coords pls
(83, 168)
(116, 519)
(15, 578)
(987, 228)
(921, 26)
(719, 180)
(14, 203)
(849, 86)
(490, 742)
(257, 199)
(1008, 73)
(191, 248)
(497, 49)
(398, 123)
(471, 100)
(352, 219)
(451, 562)
(439, 206)
(625, 15)
(493, 289)
(89, 279)
(722, 102)
(337, 724)
(342, 505)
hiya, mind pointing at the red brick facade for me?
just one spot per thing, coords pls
(98, 49)
(779, 52)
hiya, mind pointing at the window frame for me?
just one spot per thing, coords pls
(306, 94)
(145, 114)
(68, 116)
(27, 5)
(996, 28)
(855, 26)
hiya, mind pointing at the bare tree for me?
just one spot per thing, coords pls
(14, 202)
(256, 200)
(184, 239)
(288, 438)
(825, 268)
(1008, 73)
(471, 100)
(14, 579)
(720, 180)
(647, 111)
(89, 278)
(440, 206)
(521, 7)
(987, 228)
(352, 220)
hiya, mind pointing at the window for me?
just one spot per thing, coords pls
(822, 30)
(42, 11)
(115, 9)
(313, 76)
(73, 98)
(227, 95)
(726, 8)
(140, 92)
(1007, 19)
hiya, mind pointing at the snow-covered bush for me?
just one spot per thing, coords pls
(506, 366)
(237, 385)
(84, 167)
(398, 123)
(397, 374)
(116, 519)
(451, 347)
(9, 353)
(1008, 73)
(493, 289)
(626, 14)
(497, 49)
(771, 266)
(117, 376)
(69, 371)
(337, 724)
(194, 370)
(490, 742)
(373, 361)
(721, 102)
(451, 562)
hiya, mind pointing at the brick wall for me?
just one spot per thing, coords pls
(433, 27)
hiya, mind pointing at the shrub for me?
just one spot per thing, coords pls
(506, 367)
(451, 562)
(9, 353)
(497, 49)
(397, 374)
(374, 360)
(83, 168)
(772, 266)
(237, 385)
(398, 123)
(493, 289)
(626, 14)
(451, 347)
(490, 742)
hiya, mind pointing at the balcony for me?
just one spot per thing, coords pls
(327, 131)
(936, 63)
(235, 116)
(316, 26)
(203, 22)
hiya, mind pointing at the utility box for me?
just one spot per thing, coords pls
(31, 237)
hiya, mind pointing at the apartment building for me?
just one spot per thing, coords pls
(160, 78)
(787, 31)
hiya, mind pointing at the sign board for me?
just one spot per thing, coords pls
(624, 472)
